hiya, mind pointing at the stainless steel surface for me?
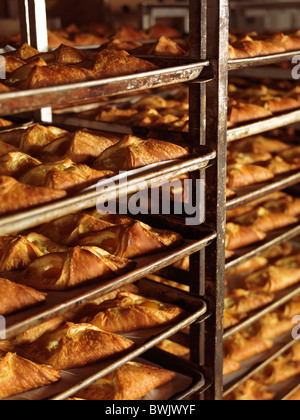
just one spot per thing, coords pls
(30, 100)
(59, 303)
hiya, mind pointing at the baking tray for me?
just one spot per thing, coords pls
(35, 99)
(197, 311)
(125, 184)
(248, 194)
(273, 239)
(188, 380)
(270, 72)
(58, 303)
(238, 64)
(255, 364)
(258, 127)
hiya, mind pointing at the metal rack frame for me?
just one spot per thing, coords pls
(207, 105)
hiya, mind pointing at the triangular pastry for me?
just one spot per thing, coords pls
(273, 279)
(15, 297)
(129, 382)
(130, 312)
(251, 391)
(19, 375)
(133, 152)
(15, 196)
(277, 372)
(16, 164)
(63, 175)
(168, 47)
(243, 346)
(17, 252)
(82, 146)
(6, 148)
(240, 301)
(271, 326)
(76, 345)
(132, 240)
(243, 175)
(112, 63)
(241, 236)
(68, 230)
(79, 265)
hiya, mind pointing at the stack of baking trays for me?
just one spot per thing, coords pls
(80, 318)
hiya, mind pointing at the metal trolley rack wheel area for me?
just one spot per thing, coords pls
(208, 112)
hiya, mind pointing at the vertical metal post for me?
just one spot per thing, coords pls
(216, 131)
(33, 22)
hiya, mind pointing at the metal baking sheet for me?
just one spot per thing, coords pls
(196, 309)
(30, 100)
(189, 379)
(130, 182)
(237, 64)
(248, 194)
(58, 303)
(258, 127)
(254, 365)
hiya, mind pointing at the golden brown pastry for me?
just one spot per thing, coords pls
(13, 63)
(22, 73)
(16, 196)
(79, 265)
(251, 391)
(32, 139)
(266, 220)
(255, 264)
(241, 236)
(24, 52)
(239, 301)
(76, 345)
(174, 348)
(259, 144)
(271, 325)
(15, 164)
(6, 148)
(133, 152)
(15, 297)
(63, 175)
(243, 175)
(68, 230)
(6, 347)
(290, 309)
(64, 54)
(168, 47)
(83, 146)
(243, 346)
(129, 382)
(19, 375)
(17, 252)
(132, 240)
(277, 372)
(130, 312)
(273, 279)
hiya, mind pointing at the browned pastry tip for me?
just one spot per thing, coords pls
(133, 152)
(20, 375)
(15, 297)
(241, 236)
(76, 345)
(16, 196)
(129, 382)
(244, 175)
(79, 265)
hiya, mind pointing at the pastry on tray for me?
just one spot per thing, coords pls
(251, 391)
(240, 301)
(273, 279)
(69, 229)
(175, 349)
(239, 175)
(242, 346)
(17, 252)
(130, 382)
(271, 326)
(19, 375)
(133, 152)
(259, 144)
(32, 139)
(277, 372)
(15, 196)
(76, 345)
(132, 240)
(130, 312)
(241, 236)
(5, 123)
(6, 347)
(6, 148)
(83, 146)
(15, 297)
(230, 366)
(63, 175)
(79, 265)
(15, 164)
